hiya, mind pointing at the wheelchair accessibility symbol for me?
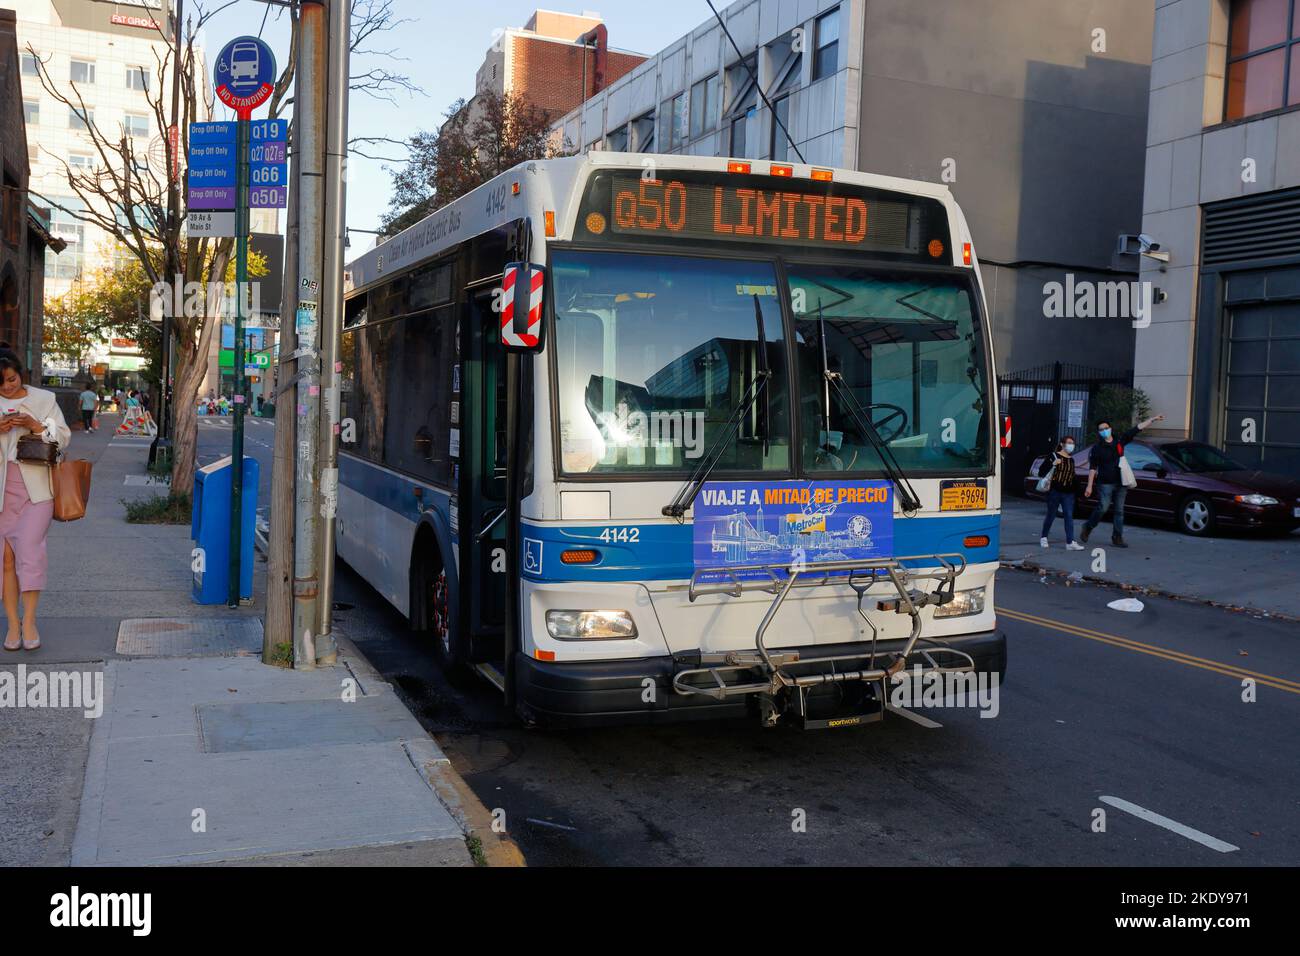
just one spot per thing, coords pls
(532, 556)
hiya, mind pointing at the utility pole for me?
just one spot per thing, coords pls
(278, 626)
(309, 108)
(331, 314)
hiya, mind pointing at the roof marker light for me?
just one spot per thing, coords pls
(550, 223)
(734, 167)
(965, 253)
(786, 171)
(823, 175)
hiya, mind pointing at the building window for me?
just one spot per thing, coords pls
(81, 160)
(1263, 57)
(672, 118)
(137, 78)
(643, 133)
(616, 140)
(135, 125)
(826, 58)
(31, 111)
(83, 71)
(80, 122)
(29, 66)
(11, 210)
(787, 69)
(705, 97)
(741, 109)
(781, 130)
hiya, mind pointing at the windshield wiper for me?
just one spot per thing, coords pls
(686, 494)
(906, 494)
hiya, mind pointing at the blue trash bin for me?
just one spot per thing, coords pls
(210, 530)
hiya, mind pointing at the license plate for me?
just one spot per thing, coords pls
(972, 495)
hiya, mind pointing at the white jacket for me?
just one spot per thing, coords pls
(44, 407)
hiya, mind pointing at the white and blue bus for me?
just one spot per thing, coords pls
(642, 438)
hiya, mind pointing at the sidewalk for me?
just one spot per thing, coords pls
(1254, 573)
(203, 754)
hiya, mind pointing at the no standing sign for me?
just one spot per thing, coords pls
(244, 75)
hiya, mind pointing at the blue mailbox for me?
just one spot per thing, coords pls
(210, 529)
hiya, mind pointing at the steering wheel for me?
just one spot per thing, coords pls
(882, 426)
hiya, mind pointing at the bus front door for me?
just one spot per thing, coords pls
(482, 484)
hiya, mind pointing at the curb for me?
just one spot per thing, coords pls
(1024, 564)
(488, 848)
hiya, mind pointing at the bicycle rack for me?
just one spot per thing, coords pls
(766, 674)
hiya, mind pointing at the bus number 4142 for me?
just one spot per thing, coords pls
(621, 535)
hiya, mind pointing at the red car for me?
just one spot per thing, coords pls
(1194, 485)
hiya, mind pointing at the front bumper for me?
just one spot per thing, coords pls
(640, 690)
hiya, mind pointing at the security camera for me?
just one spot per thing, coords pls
(1141, 244)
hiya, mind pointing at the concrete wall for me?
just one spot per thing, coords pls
(1038, 129)
(1191, 159)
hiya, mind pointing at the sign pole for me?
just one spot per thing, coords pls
(243, 77)
(241, 283)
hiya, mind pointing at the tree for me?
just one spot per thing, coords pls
(479, 139)
(127, 196)
(1120, 405)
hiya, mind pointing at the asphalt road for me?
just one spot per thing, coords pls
(1103, 713)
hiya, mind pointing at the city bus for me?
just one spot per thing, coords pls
(647, 438)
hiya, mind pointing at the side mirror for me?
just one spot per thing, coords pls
(523, 286)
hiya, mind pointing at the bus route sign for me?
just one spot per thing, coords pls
(782, 522)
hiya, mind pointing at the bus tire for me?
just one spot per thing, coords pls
(430, 610)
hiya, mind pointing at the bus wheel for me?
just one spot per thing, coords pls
(447, 641)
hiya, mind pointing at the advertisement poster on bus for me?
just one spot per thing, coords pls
(782, 522)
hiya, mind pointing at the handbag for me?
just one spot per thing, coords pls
(1126, 477)
(38, 451)
(1044, 483)
(70, 482)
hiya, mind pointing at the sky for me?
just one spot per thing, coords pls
(441, 49)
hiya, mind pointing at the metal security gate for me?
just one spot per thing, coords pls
(1045, 403)
(1261, 425)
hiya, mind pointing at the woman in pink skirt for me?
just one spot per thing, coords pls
(26, 497)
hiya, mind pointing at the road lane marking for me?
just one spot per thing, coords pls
(1177, 657)
(915, 718)
(1142, 813)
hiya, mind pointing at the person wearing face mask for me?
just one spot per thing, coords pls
(1060, 492)
(1103, 469)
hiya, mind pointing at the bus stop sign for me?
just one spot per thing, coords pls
(244, 75)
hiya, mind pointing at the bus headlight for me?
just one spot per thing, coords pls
(590, 625)
(962, 603)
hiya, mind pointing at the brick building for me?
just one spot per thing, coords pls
(24, 228)
(555, 61)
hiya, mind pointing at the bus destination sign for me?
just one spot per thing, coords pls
(744, 211)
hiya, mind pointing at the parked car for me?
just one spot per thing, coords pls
(1194, 485)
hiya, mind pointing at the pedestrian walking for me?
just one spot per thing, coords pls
(89, 401)
(1105, 469)
(1058, 469)
(26, 497)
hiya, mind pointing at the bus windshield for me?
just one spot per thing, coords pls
(909, 349)
(655, 353)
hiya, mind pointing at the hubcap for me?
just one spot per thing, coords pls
(441, 619)
(1196, 516)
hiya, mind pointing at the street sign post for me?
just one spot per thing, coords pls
(243, 77)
